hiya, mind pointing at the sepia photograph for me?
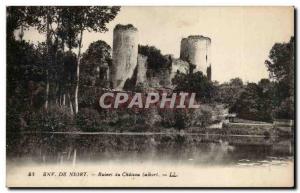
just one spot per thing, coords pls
(150, 96)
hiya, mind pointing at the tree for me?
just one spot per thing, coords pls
(25, 82)
(195, 82)
(65, 26)
(95, 63)
(155, 60)
(281, 61)
(43, 18)
(69, 74)
(19, 18)
(44, 75)
(281, 64)
(285, 110)
(228, 93)
(25, 72)
(90, 18)
(256, 101)
(281, 69)
(247, 106)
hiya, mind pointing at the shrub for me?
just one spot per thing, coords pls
(54, 119)
(285, 110)
(89, 119)
(152, 117)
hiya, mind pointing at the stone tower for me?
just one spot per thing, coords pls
(124, 55)
(196, 50)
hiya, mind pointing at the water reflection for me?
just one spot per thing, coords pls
(188, 149)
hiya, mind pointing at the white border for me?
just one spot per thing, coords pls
(154, 2)
(5, 3)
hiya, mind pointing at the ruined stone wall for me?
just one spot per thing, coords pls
(141, 69)
(164, 76)
(196, 50)
(126, 60)
(159, 78)
(179, 65)
(125, 52)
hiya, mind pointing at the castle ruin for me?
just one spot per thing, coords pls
(125, 53)
(129, 66)
(195, 49)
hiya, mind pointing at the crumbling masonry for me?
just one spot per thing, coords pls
(125, 53)
(194, 50)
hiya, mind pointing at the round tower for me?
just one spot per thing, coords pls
(196, 50)
(124, 55)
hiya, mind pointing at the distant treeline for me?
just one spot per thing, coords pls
(269, 99)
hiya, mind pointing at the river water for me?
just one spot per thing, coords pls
(190, 149)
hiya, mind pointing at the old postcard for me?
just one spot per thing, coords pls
(128, 96)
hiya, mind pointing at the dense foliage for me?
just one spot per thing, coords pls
(269, 99)
(46, 92)
(281, 66)
(155, 60)
(44, 79)
(196, 83)
(95, 63)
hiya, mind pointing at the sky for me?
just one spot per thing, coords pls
(241, 36)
